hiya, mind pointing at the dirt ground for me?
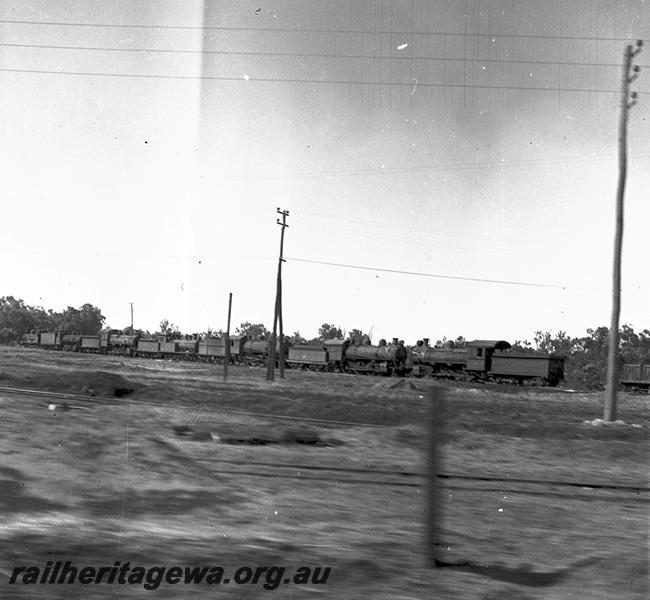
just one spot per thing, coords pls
(317, 470)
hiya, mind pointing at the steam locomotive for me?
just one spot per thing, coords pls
(484, 360)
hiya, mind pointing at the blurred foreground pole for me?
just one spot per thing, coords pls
(227, 357)
(270, 373)
(612, 353)
(432, 497)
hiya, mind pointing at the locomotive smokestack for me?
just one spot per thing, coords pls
(394, 341)
(426, 341)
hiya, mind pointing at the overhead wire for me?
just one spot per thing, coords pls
(317, 30)
(249, 80)
(437, 275)
(391, 56)
(304, 55)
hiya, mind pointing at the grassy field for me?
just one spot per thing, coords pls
(188, 470)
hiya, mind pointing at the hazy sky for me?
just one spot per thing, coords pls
(146, 151)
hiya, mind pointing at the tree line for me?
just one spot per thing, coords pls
(585, 365)
(17, 318)
(586, 357)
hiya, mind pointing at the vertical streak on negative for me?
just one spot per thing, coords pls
(126, 472)
(444, 62)
(465, 59)
(411, 46)
(351, 20)
(381, 48)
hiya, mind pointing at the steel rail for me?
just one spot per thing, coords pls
(459, 476)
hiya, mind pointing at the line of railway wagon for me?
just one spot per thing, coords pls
(243, 349)
(477, 360)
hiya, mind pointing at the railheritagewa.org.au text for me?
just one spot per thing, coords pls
(152, 577)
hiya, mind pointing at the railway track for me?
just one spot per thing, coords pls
(103, 400)
(588, 491)
(576, 490)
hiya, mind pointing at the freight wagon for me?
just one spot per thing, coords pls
(148, 348)
(180, 349)
(51, 340)
(636, 376)
(321, 356)
(30, 339)
(91, 343)
(214, 349)
(521, 367)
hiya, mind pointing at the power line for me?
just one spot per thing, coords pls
(438, 276)
(320, 30)
(312, 55)
(249, 79)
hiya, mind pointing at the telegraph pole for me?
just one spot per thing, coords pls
(627, 101)
(132, 332)
(277, 317)
(227, 356)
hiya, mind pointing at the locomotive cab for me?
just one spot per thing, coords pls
(479, 355)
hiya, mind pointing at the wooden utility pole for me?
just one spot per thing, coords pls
(277, 317)
(627, 101)
(227, 356)
(132, 332)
